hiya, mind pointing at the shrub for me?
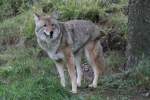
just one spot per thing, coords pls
(138, 76)
(115, 61)
(84, 9)
(9, 8)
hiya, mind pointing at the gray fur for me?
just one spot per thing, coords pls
(75, 32)
(69, 39)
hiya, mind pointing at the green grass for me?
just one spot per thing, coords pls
(26, 77)
(120, 23)
(36, 88)
(141, 73)
(21, 25)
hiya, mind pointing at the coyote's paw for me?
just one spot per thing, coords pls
(93, 86)
(78, 83)
(63, 84)
(74, 92)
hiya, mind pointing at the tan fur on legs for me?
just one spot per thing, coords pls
(93, 52)
(71, 68)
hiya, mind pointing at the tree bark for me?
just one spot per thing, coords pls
(139, 31)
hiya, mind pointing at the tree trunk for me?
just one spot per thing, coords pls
(139, 31)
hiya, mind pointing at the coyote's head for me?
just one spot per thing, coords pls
(46, 27)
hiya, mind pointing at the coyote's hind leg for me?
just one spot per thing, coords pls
(94, 54)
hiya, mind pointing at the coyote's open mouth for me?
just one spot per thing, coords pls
(51, 34)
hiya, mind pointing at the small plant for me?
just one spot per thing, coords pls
(115, 61)
(141, 73)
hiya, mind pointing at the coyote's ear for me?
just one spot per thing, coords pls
(55, 14)
(36, 17)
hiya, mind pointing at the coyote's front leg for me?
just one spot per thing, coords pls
(60, 69)
(78, 69)
(59, 65)
(71, 68)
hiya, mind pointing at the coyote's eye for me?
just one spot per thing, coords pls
(52, 24)
(44, 25)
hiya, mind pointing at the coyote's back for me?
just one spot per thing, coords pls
(81, 31)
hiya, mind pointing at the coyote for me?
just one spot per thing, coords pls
(66, 42)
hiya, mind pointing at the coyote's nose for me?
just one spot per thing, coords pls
(51, 34)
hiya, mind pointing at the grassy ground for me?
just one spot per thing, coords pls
(26, 74)
(27, 77)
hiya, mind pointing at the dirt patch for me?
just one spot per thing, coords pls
(11, 40)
